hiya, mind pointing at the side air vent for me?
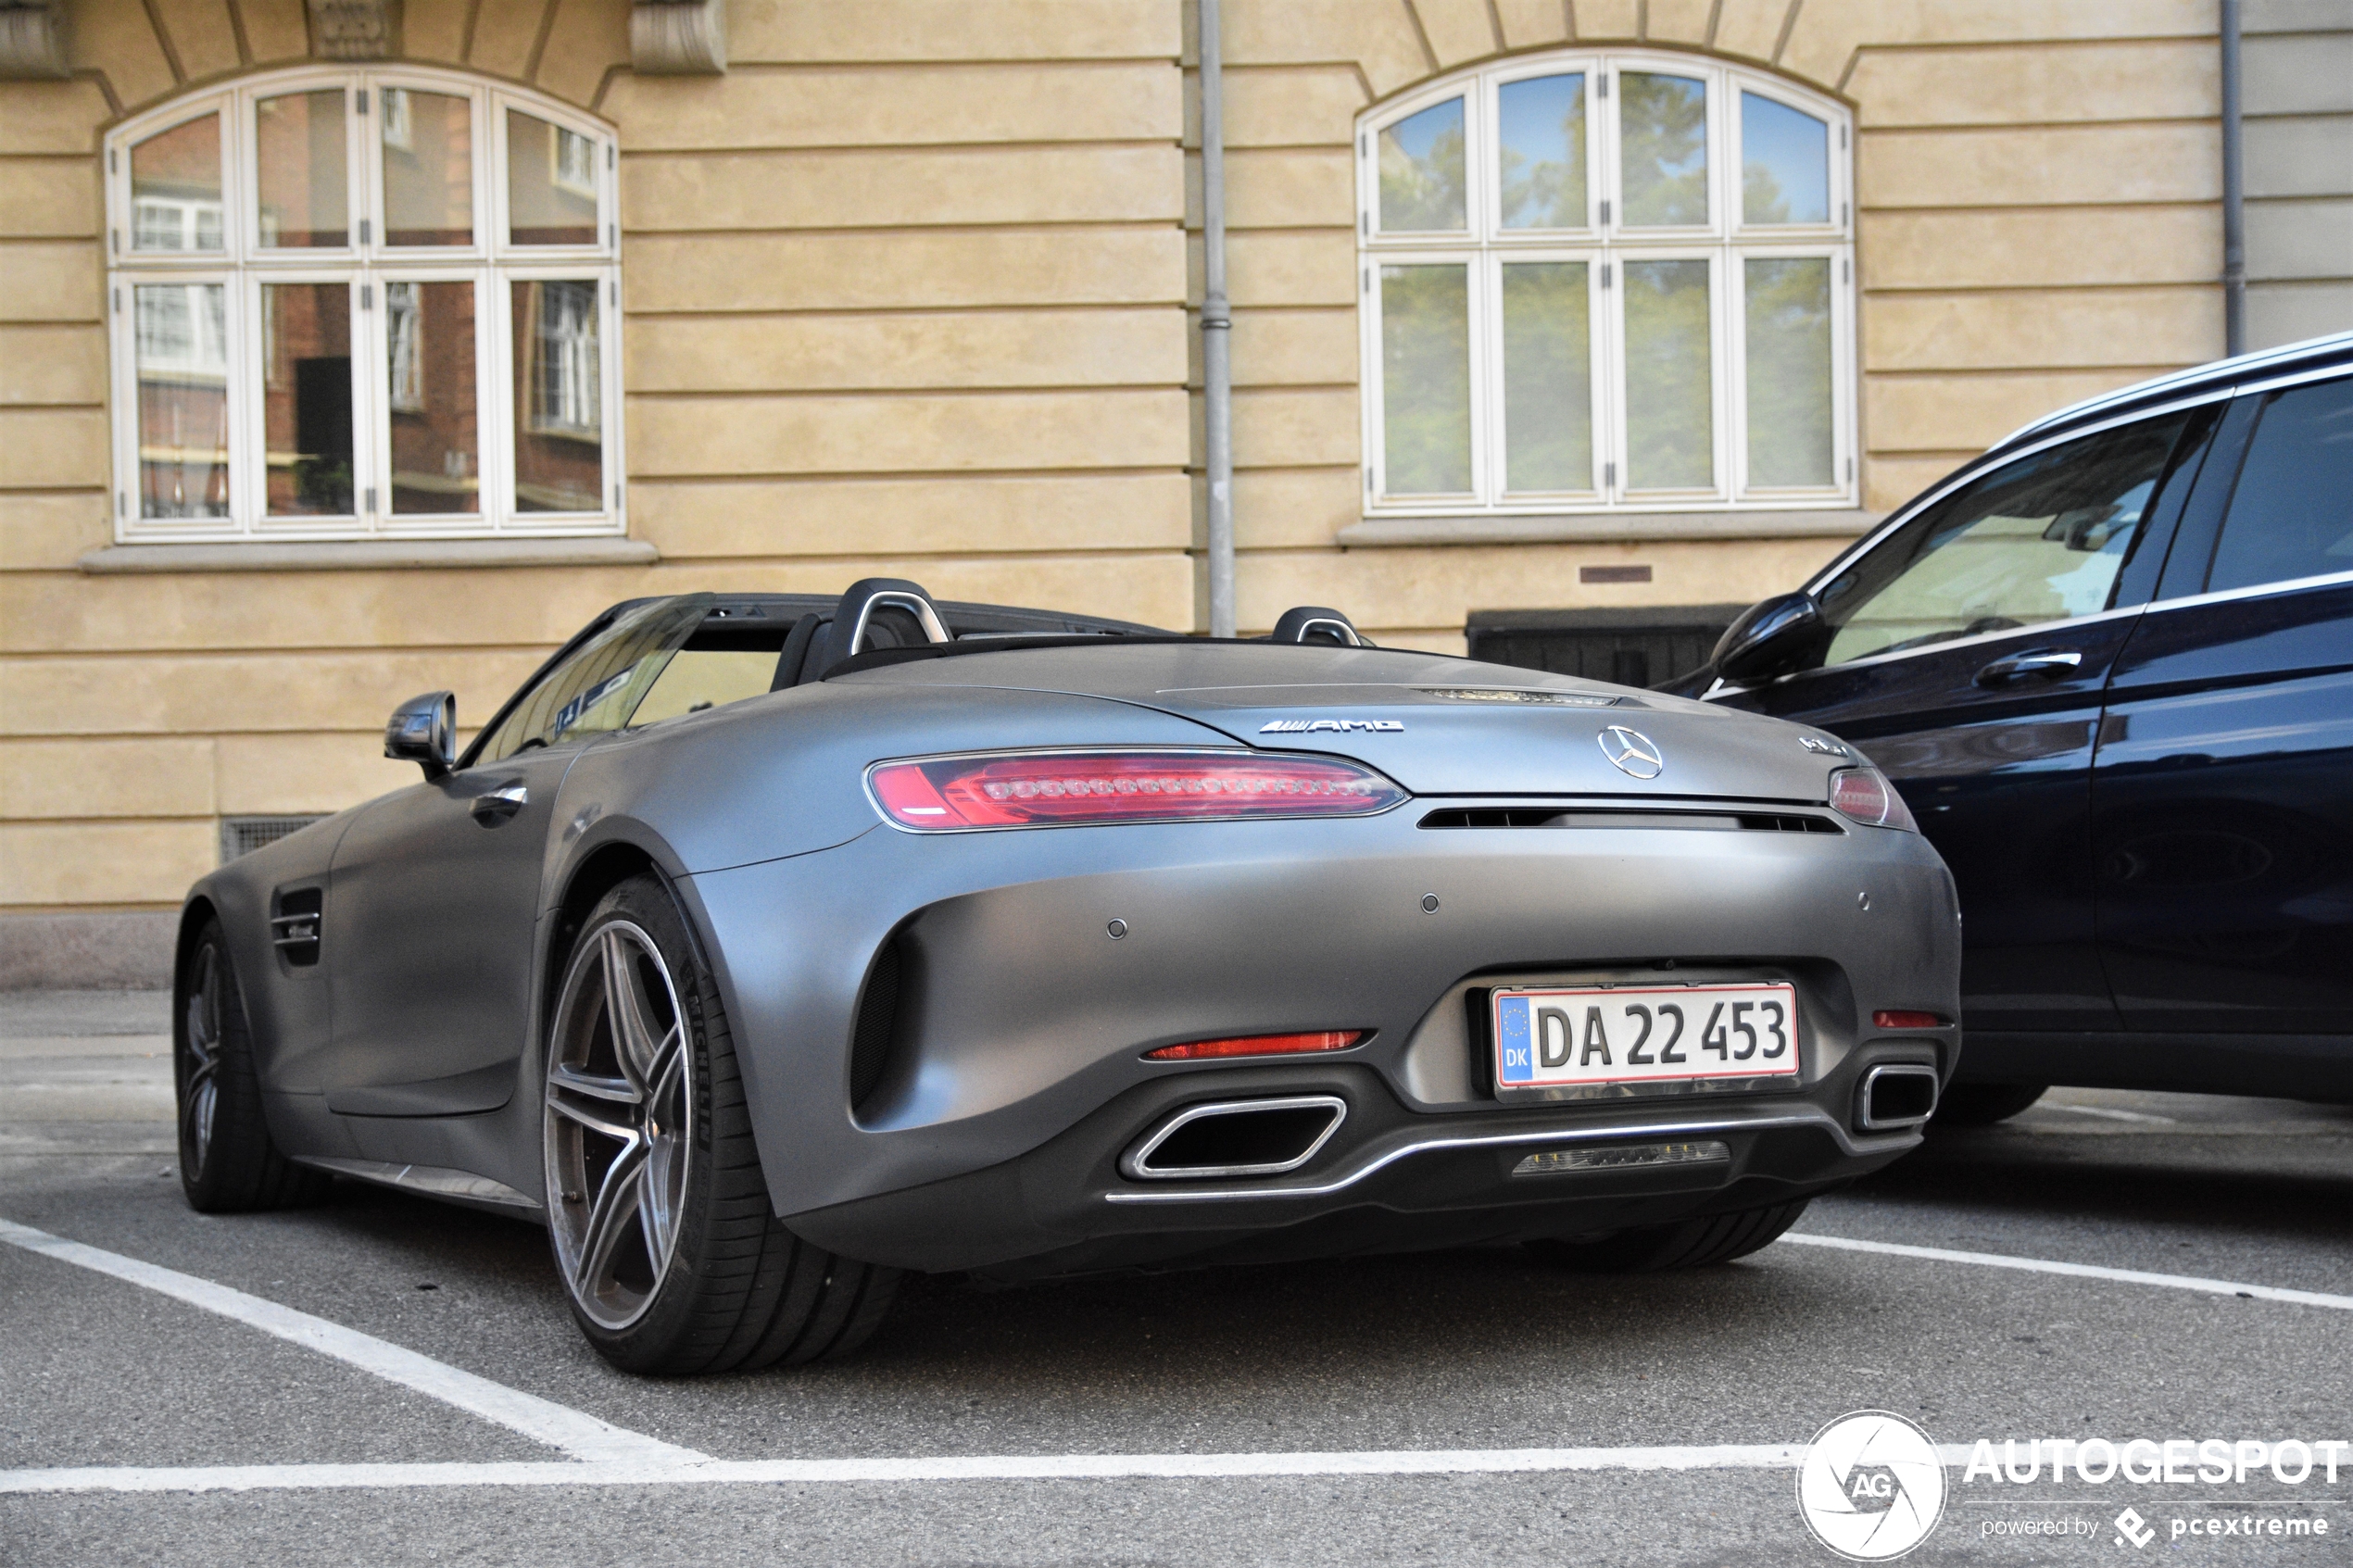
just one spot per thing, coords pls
(1689, 822)
(242, 836)
(293, 924)
(877, 1024)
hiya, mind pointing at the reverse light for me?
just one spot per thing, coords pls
(1065, 789)
(1259, 1045)
(1907, 1021)
(1863, 795)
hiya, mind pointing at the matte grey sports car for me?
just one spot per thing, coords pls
(769, 947)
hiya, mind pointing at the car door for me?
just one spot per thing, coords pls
(1965, 654)
(2222, 793)
(437, 889)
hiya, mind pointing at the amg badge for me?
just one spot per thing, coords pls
(1328, 726)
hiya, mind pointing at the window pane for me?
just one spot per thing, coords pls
(1548, 385)
(175, 188)
(1786, 164)
(182, 362)
(2291, 514)
(429, 168)
(1663, 136)
(595, 691)
(1425, 329)
(1421, 171)
(1670, 421)
(436, 455)
(560, 440)
(299, 143)
(551, 183)
(2038, 540)
(306, 401)
(1543, 152)
(1789, 371)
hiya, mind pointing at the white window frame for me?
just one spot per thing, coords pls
(367, 265)
(1727, 241)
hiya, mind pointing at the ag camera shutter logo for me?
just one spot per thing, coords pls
(1870, 1486)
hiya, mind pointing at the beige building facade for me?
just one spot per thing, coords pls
(911, 288)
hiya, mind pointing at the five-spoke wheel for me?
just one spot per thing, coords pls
(620, 1133)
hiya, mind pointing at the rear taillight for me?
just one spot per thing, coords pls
(1863, 795)
(1259, 1045)
(1068, 789)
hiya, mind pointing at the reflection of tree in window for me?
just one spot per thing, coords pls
(1663, 128)
(558, 448)
(1543, 152)
(1426, 379)
(1670, 424)
(1421, 171)
(1789, 371)
(1785, 174)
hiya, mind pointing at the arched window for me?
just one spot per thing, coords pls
(1617, 281)
(363, 304)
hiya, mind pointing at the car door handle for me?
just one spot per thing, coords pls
(498, 805)
(2045, 662)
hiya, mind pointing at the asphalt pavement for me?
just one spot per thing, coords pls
(2108, 1268)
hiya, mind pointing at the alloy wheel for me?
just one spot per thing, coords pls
(619, 1134)
(199, 1062)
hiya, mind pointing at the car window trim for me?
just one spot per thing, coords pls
(1993, 459)
(2252, 590)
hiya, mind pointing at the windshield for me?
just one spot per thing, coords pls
(598, 688)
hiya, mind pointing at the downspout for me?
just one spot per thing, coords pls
(1217, 328)
(2233, 190)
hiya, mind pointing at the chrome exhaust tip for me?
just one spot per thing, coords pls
(1893, 1095)
(1236, 1137)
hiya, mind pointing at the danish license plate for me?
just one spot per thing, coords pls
(1624, 1034)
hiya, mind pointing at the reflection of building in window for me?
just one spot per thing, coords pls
(397, 130)
(403, 329)
(574, 162)
(184, 332)
(564, 371)
(158, 224)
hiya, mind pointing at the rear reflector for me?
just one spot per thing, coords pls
(1907, 1021)
(954, 794)
(1259, 1045)
(1862, 794)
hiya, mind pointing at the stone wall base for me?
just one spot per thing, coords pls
(93, 952)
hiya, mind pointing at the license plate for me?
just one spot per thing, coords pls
(1670, 1035)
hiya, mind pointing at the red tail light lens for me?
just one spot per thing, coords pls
(1862, 794)
(1063, 789)
(1907, 1021)
(1259, 1045)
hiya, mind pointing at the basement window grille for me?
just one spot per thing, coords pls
(242, 835)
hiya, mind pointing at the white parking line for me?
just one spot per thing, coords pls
(2111, 1113)
(2081, 1271)
(978, 1467)
(575, 1433)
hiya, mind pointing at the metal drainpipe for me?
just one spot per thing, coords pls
(1216, 329)
(2233, 190)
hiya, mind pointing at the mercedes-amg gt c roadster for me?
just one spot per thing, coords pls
(768, 947)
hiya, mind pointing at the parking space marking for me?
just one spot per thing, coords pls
(573, 1432)
(976, 1467)
(2109, 1112)
(2080, 1271)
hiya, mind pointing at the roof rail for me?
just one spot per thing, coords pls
(2211, 371)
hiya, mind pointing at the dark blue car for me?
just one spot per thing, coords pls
(2110, 665)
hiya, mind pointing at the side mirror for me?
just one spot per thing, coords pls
(424, 730)
(1770, 638)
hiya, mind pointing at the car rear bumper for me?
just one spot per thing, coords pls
(1012, 1079)
(1389, 1179)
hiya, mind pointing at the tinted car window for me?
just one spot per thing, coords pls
(597, 688)
(2038, 540)
(2291, 514)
